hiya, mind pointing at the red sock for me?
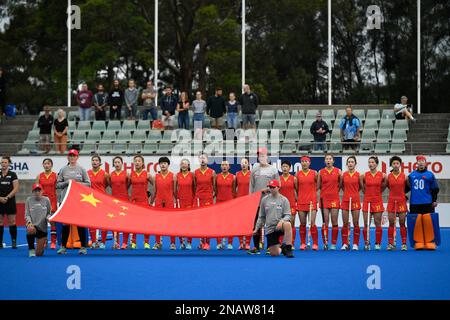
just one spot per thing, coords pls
(344, 234)
(53, 233)
(365, 234)
(230, 240)
(104, 234)
(146, 238)
(378, 234)
(158, 239)
(208, 240)
(219, 241)
(125, 238)
(93, 234)
(325, 234)
(334, 234)
(172, 240)
(391, 235)
(403, 234)
(356, 235)
(315, 234)
(189, 240)
(241, 240)
(134, 238)
(294, 231)
(302, 234)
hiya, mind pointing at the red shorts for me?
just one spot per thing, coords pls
(401, 206)
(160, 203)
(330, 204)
(304, 207)
(356, 205)
(205, 202)
(375, 206)
(186, 203)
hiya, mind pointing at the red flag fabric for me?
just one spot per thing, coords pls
(85, 207)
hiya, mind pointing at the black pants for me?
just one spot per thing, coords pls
(66, 232)
(421, 208)
(31, 237)
(257, 236)
(100, 115)
(115, 113)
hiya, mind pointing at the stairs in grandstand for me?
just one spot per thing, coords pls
(426, 132)
(14, 131)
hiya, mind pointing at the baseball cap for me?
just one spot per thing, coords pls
(318, 114)
(421, 157)
(73, 152)
(404, 97)
(36, 186)
(274, 183)
(262, 150)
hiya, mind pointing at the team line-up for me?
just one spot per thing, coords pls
(204, 187)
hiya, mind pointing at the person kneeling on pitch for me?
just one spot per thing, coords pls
(37, 211)
(275, 214)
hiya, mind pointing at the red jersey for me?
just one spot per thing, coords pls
(224, 187)
(288, 189)
(119, 186)
(164, 188)
(185, 186)
(204, 183)
(98, 180)
(373, 184)
(351, 186)
(48, 183)
(397, 187)
(242, 183)
(139, 186)
(330, 184)
(307, 187)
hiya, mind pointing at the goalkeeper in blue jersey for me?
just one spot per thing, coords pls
(423, 201)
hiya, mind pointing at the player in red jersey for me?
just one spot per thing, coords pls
(374, 182)
(99, 182)
(242, 189)
(225, 190)
(164, 195)
(139, 179)
(307, 202)
(289, 190)
(351, 202)
(396, 183)
(185, 189)
(47, 179)
(329, 183)
(204, 189)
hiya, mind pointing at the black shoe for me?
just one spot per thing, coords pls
(253, 251)
(286, 250)
(283, 249)
(289, 253)
(14, 244)
(1, 245)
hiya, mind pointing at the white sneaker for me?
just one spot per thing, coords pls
(31, 253)
(355, 247)
(219, 247)
(333, 247)
(345, 247)
(230, 246)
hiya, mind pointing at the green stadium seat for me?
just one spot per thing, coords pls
(84, 126)
(114, 125)
(399, 136)
(134, 148)
(104, 147)
(340, 114)
(169, 137)
(382, 148)
(241, 148)
(89, 147)
(124, 136)
(388, 114)
(311, 114)
(229, 148)
(373, 114)
(335, 136)
(154, 136)
(328, 114)
(369, 134)
(144, 125)
(72, 116)
(279, 125)
(397, 148)
(184, 136)
(207, 123)
(268, 115)
(335, 147)
(305, 139)
(288, 148)
(283, 115)
(360, 113)
(108, 137)
(366, 146)
(78, 137)
(129, 125)
(119, 147)
(401, 125)
(384, 136)
(307, 124)
(386, 124)
(33, 135)
(150, 147)
(295, 125)
(164, 148)
(210, 135)
(35, 126)
(72, 124)
(29, 146)
(265, 124)
(447, 148)
(94, 136)
(291, 136)
(371, 124)
(99, 126)
(139, 136)
(297, 115)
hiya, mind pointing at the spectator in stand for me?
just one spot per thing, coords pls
(183, 111)
(148, 97)
(131, 100)
(45, 123)
(350, 129)
(115, 101)
(2, 93)
(100, 103)
(199, 108)
(61, 128)
(84, 100)
(232, 111)
(319, 129)
(404, 110)
(216, 108)
(168, 106)
(249, 103)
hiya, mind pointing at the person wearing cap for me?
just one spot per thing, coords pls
(260, 175)
(350, 129)
(73, 171)
(275, 215)
(403, 110)
(319, 130)
(423, 201)
(37, 213)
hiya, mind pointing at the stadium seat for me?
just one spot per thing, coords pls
(268, 115)
(328, 115)
(93, 136)
(335, 147)
(384, 135)
(119, 147)
(297, 115)
(279, 125)
(207, 123)
(295, 125)
(89, 147)
(388, 114)
(164, 148)
(78, 137)
(283, 115)
(340, 114)
(185, 136)
(99, 126)
(401, 125)
(143, 125)
(291, 136)
(288, 148)
(123, 136)
(262, 136)
(73, 116)
(134, 148)
(150, 147)
(369, 134)
(399, 136)
(241, 148)
(108, 137)
(139, 136)
(154, 136)
(311, 114)
(210, 135)
(265, 124)
(370, 124)
(33, 135)
(447, 148)
(305, 139)
(84, 126)
(114, 125)
(397, 148)
(373, 114)
(104, 147)
(366, 146)
(360, 113)
(228, 148)
(169, 136)
(129, 125)
(382, 148)
(35, 126)
(335, 135)
(386, 124)
(72, 124)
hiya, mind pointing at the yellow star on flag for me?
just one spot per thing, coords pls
(90, 198)
(110, 215)
(116, 201)
(124, 208)
(123, 214)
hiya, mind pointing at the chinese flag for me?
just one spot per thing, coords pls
(85, 207)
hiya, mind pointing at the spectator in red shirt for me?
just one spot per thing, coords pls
(84, 100)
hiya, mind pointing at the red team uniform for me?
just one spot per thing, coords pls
(351, 190)
(307, 200)
(98, 183)
(48, 183)
(373, 195)
(119, 185)
(164, 195)
(397, 202)
(242, 183)
(139, 195)
(288, 190)
(185, 192)
(204, 193)
(225, 192)
(329, 198)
